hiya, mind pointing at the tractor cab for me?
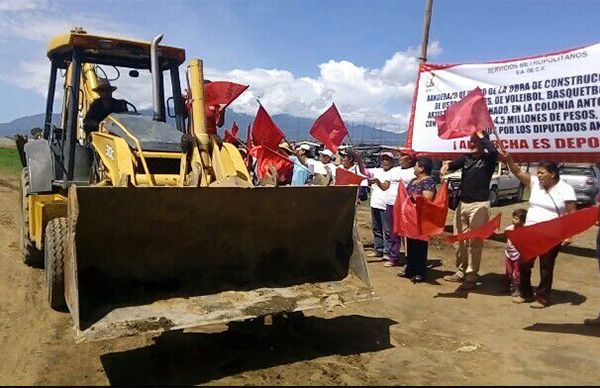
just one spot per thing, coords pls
(85, 61)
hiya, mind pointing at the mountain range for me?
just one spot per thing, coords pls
(295, 128)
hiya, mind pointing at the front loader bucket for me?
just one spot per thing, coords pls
(155, 258)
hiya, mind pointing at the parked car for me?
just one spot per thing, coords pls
(585, 179)
(503, 184)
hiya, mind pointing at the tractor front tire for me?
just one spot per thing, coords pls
(55, 250)
(31, 255)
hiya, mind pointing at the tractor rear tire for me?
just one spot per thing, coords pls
(55, 250)
(31, 255)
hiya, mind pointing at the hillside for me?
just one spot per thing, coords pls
(295, 128)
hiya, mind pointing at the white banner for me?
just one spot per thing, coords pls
(543, 107)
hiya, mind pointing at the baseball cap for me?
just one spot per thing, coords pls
(406, 151)
(327, 152)
(304, 147)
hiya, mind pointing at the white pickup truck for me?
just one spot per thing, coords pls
(502, 185)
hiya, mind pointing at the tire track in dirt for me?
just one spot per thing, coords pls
(34, 339)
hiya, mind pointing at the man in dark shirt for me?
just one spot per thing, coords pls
(102, 106)
(473, 209)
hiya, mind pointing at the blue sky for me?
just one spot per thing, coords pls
(297, 56)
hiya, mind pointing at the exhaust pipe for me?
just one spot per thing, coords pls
(157, 85)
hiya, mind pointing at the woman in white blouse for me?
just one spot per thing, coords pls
(550, 198)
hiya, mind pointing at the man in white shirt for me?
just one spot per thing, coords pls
(349, 161)
(327, 157)
(377, 177)
(323, 169)
(404, 173)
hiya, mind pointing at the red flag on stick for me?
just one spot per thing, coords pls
(264, 131)
(422, 218)
(432, 214)
(329, 128)
(345, 178)
(222, 92)
(266, 156)
(483, 232)
(406, 223)
(534, 240)
(465, 117)
(232, 136)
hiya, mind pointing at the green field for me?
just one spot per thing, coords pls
(9, 161)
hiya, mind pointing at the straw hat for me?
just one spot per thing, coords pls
(286, 147)
(103, 84)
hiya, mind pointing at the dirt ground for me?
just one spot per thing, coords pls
(413, 334)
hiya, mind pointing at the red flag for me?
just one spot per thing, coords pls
(421, 218)
(329, 128)
(344, 177)
(482, 232)
(405, 216)
(432, 214)
(232, 136)
(534, 240)
(266, 156)
(222, 92)
(465, 117)
(264, 131)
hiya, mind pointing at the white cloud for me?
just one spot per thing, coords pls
(40, 20)
(379, 96)
(20, 5)
(361, 94)
(32, 75)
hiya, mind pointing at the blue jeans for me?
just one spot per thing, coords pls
(381, 231)
(394, 245)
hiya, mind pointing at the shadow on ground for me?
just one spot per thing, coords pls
(434, 275)
(566, 328)
(191, 358)
(491, 284)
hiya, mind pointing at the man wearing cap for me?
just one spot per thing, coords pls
(403, 173)
(378, 178)
(103, 106)
(473, 209)
(301, 172)
(323, 168)
(348, 161)
(327, 157)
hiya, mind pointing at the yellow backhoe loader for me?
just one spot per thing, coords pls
(144, 227)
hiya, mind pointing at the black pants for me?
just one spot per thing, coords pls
(542, 293)
(416, 258)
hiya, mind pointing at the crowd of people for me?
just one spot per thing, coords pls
(550, 198)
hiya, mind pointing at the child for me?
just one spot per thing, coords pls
(512, 256)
